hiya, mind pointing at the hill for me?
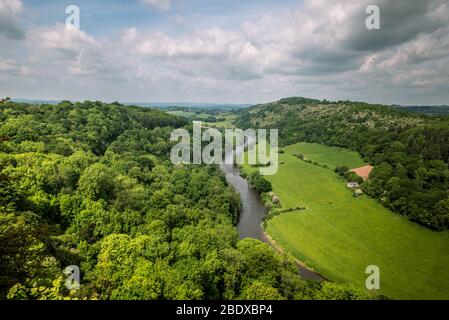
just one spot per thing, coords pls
(410, 152)
(92, 185)
(427, 110)
(339, 235)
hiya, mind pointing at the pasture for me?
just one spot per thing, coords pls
(339, 235)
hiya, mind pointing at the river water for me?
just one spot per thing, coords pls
(253, 211)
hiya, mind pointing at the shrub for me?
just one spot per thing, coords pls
(259, 183)
(341, 170)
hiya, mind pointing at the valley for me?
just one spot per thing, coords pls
(339, 235)
(224, 158)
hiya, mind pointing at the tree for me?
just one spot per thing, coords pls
(23, 256)
(441, 215)
(259, 183)
(353, 177)
(91, 184)
(56, 291)
(260, 291)
(341, 170)
(5, 100)
(97, 182)
(9, 196)
(332, 291)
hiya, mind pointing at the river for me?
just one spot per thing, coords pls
(252, 213)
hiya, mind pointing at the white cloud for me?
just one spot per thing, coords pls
(9, 21)
(9, 68)
(162, 5)
(13, 6)
(62, 37)
(317, 50)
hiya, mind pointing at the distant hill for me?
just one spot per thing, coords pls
(35, 101)
(428, 110)
(409, 151)
(301, 118)
(183, 105)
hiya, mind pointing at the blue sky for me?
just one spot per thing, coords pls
(225, 51)
(103, 17)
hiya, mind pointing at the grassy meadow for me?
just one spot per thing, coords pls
(339, 235)
(226, 122)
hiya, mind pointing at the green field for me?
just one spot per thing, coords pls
(181, 113)
(330, 156)
(188, 114)
(339, 235)
(227, 117)
(227, 124)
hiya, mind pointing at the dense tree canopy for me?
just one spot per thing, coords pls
(90, 184)
(410, 152)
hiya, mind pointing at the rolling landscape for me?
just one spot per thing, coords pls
(338, 234)
(93, 177)
(224, 157)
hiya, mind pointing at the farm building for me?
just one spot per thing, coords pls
(353, 185)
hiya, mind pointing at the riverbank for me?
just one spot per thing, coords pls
(304, 270)
(252, 215)
(340, 236)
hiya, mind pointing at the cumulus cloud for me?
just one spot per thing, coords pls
(161, 5)
(320, 48)
(63, 38)
(9, 22)
(71, 52)
(401, 21)
(213, 52)
(9, 68)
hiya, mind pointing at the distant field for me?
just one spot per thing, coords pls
(181, 113)
(339, 235)
(227, 117)
(187, 114)
(330, 156)
(228, 123)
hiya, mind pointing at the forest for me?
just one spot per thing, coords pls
(409, 152)
(428, 110)
(91, 184)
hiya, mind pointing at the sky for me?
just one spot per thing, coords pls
(231, 51)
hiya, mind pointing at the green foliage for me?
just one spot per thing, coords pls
(4, 100)
(354, 232)
(96, 182)
(331, 291)
(91, 184)
(410, 147)
(353, 177)
(22, 254)
(341, 170)
(56, 291)
(259, 183)
(428, 110)
(260, 291)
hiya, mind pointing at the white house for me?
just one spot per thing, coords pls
(353, 185)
